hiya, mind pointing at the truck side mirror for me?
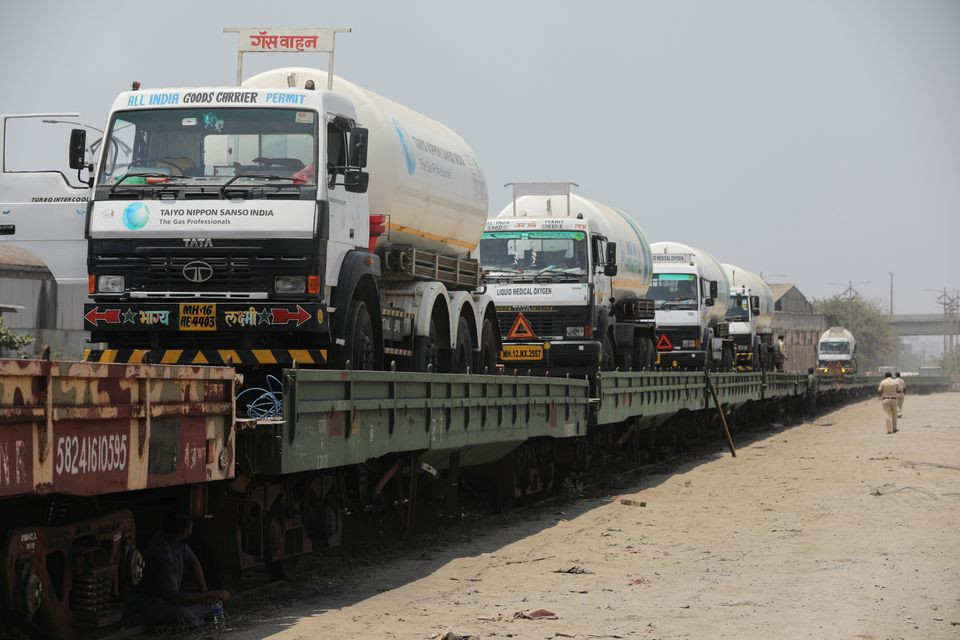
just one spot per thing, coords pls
(611, 253)
(78, 148)
(357, 153)
(610, 269)
(708, 302)
(713, 289)
(755, 305)
(356, 181)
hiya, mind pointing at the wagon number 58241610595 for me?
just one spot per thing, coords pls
(91, 454)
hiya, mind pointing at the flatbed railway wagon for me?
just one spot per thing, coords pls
(89, 455)
(351, 449)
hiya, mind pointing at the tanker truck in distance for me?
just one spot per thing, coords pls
(691, 294)
(750, 315)
(836, 350)
(271, 223)
(569, 276)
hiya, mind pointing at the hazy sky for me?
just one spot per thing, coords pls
(819, 140)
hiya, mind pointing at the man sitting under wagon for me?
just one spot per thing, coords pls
(164, 600)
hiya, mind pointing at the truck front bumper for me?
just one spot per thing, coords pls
(207, 332)
(557, 356)
(681, 359)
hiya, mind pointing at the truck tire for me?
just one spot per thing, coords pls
(360, 350)
(608, 355)
(426, 352)
(488, 349)
(463, 349)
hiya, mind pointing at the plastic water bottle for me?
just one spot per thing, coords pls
(218, 618)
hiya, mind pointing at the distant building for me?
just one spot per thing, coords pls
(52, 316)
(795, 319)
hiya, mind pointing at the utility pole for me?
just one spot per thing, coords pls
(849, 294)
(951, 309)
(891, 294)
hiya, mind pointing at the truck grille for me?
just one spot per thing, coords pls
(546, 324)
(677, 336)
(228, 272)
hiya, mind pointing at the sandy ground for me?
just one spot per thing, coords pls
(826, 530)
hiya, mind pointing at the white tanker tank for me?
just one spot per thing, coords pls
(756, 286)
(422, 174)
(708, 267)
(634, 263)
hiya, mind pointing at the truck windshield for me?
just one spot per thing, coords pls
(834, 347)
(674, 289)
(739, 309)
(549, 253)
(210, 145)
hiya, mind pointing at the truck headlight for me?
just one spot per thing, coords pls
(689, 344)
(290, 284)
(574, 332)
(110, 284)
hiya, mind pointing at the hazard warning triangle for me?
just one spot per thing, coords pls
(664, 344)
(521, 329)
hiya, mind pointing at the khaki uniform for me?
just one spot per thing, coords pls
(901, 392)
(888, 396)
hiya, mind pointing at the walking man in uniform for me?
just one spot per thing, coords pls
(901, 392)
(813, 386)
(888, 390)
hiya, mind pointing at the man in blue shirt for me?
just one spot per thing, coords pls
(166, 559)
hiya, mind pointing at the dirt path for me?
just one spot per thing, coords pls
(828, 530)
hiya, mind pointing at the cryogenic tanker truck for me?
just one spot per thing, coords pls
(691, 293)
(750, 315)
(569, 276)
(835, 351)
(272, 223)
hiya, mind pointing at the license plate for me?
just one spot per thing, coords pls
(198, 317)
(522, 352)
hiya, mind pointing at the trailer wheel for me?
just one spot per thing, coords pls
(726, 359)
(361, 348)
(283, 569)
(488, 349)
(463, 349)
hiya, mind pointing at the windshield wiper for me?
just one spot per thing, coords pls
(676, 302)
(257, 176)
(551, 269)
(145, 174)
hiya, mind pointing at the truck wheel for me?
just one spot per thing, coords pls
(639, 354)
(361, 349)
(463, 350)
(488, 349)
(608, 356)
(726, 360)
(427, 351)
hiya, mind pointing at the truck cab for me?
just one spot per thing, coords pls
(548, 280)
(569, 277)
(836, 352)
(222, 221)
(692, 331)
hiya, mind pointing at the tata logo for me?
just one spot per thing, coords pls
(136, 215)
(408, 156)
(197, 242)
(197, 271)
